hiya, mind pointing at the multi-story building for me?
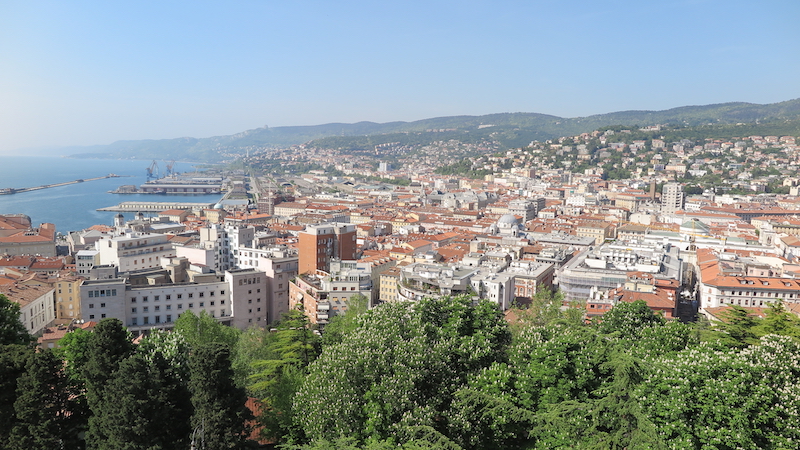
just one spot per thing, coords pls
(389, 281)
(728, 278)
(18, 238)
(134, 251)
(419, 280)
(155, 298)
(85, 260)
(279, 264)
(36, 302)
(68, 299)
(318, 244)
(529, 277)
(599, 231)
(607, 267)
(322, 295)
(672, 198)
(528, 208)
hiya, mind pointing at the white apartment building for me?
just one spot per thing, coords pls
(37, 305)
(672, 198)
(237, 298)
(134, 251)
(85, 260)
(279, 264)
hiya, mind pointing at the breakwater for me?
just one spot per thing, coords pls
(8, 191)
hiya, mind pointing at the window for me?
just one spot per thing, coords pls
(146, 320)
(144, 299)
(258, 290)
(169, 297)
(249, 291)
(191, 305)
(250, 300)
(134, 321)
(222, 292)
(133, 299)
(180, 305)
(169, 318)
(169, 307)
(259, 309)
(280, 286)
(180, 296)
(102, 316)
(222, 302)
(202, 304)
(202, 294)
(158, 308)
(91, 316)
(158, 319)
(146, 309)
(212, 293)
(191, 295)
(258, 300)
(102, 305)
(133, 310)
(212, 303)
(156, 297)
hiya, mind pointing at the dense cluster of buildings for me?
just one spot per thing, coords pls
(528, 227)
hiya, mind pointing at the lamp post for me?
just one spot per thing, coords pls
(202, 429)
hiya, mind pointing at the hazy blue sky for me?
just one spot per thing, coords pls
(93, 72)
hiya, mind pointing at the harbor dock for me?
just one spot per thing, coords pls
(8, 191)
(156, 206)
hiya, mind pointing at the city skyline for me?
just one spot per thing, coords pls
(92, 73)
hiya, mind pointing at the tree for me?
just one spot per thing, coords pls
(629, 319)
(107, 347)
(220, 414)
(13, 360)
(275, 379)
(44, 406)
(399, 370)
(72, 348)
(151, 406)
(340, 325)
(12, 331)
(707, 397)
(204, 329)
(170, 346)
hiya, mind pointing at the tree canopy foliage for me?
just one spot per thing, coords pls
(439, 373)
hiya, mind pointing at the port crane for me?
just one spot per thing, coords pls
(170, 166)
(152, 171)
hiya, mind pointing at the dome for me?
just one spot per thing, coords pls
(218, 206)
(507, 219)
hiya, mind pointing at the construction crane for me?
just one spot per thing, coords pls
(170, 166)
(152, 171)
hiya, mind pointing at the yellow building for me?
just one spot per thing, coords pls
(388, 285)
(68, 297)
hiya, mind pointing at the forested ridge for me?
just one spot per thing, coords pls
(439, 373)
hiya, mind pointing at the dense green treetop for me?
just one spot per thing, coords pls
(12, 331)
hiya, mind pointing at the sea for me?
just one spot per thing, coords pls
(74, 207)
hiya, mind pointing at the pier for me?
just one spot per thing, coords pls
(156, 206)
(8, 191)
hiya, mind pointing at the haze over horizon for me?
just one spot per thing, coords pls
(88, 72)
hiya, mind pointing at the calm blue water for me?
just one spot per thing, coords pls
(72, 207)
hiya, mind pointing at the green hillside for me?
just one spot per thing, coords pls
(509, 130)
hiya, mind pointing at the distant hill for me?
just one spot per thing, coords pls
(508, 129)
